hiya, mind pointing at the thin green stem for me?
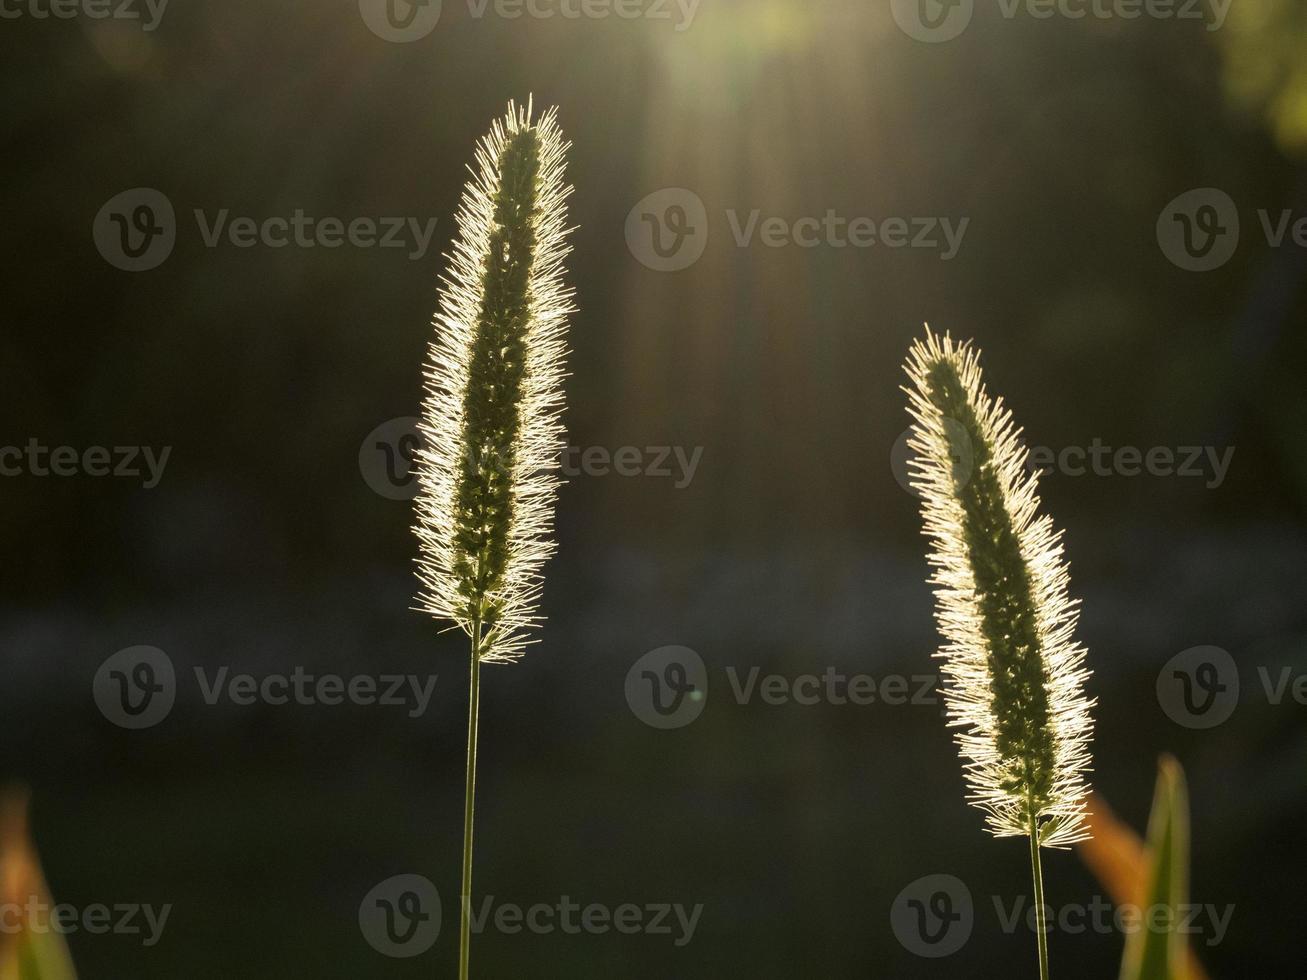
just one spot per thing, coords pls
(474, 703)
(1041, 932)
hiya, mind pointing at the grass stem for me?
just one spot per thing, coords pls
(1041, 926)
(465, 895)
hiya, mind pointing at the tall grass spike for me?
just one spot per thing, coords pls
(1013, 674)
(487, 468)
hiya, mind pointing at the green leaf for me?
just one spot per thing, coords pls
(1156, 951)
(26, 951)
(44, 956)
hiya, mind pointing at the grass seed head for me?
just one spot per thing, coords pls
(1013, 674)
(487, 468)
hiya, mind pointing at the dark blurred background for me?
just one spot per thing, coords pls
(794, 548)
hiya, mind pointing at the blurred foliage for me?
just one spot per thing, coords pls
(1155, 954)
(1265, 47)
(28, 950)
(1149, 875)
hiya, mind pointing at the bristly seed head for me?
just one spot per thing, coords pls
(490, 425)
(1013, 674)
